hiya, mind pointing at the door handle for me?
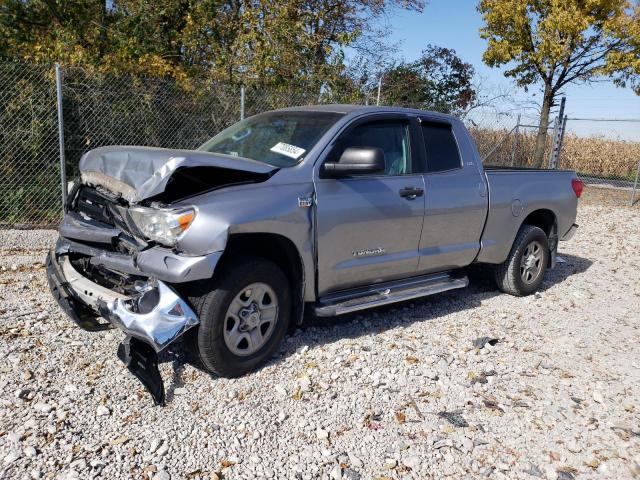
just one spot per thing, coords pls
(411, 193)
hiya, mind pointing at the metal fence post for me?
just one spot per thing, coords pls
(63, 169)
(514, 146)
(563, 128)
(554, 143)
(242, 102)
(635, 185)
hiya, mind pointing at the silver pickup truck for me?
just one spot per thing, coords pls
(325, 209)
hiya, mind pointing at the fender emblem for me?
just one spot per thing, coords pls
(305, 202)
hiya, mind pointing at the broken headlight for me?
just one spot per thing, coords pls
(164, 226)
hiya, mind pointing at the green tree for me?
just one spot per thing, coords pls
(557, 42)
(438, 80)
(275, 42)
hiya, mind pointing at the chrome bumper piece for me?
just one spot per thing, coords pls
(167, 318)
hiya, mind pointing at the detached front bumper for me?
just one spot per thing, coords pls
(151, 321)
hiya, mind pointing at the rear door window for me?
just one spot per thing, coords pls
(441, 147)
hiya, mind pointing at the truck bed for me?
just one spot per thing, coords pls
(514, 193)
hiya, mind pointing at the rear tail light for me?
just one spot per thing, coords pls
(577, 186)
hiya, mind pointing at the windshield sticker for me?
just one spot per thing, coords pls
(287, 150)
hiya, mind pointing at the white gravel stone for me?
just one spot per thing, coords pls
(375, 382)
(336, 473)
(155, 443)
(550, 472)
(102, 411)
(30, 452)
(11, 457)
(355, 460)
(573, 446)
(162, 475)
(43, 407)
(162, 451)
(411, 462)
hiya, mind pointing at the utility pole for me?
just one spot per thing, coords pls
(379, 89)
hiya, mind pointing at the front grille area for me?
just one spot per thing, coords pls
(91, 203)
(100, 207)
(118, 282)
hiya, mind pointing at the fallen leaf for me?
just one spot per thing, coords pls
(297, 395)
(454, 418)
(492, 405)
(120, 440)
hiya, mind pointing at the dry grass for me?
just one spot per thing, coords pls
(595, 156)
(596, 195)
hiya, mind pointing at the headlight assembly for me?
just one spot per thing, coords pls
(164, 226)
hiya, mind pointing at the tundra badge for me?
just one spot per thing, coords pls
(368, 252)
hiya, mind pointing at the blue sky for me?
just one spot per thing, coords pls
(455, 23)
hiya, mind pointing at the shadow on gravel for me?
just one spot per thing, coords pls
(318, 331)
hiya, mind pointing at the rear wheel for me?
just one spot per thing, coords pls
(522, 272)
(244, 315)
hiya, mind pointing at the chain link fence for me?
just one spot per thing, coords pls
(511, 146)
(30, 194)
(605, 156)
(610, 162)
(99, 109)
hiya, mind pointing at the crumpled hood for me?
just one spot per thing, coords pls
(137, 173)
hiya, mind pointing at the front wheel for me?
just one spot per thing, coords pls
(243, 317)
(522, 272)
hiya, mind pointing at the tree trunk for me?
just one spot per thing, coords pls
(541, 139)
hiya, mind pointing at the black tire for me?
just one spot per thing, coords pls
(207, 340)
(511, 276)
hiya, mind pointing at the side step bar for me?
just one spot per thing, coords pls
(384, 294)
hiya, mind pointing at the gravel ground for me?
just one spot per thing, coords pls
(395, 393)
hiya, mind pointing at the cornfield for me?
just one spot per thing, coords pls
(600, 157)
(590, 156)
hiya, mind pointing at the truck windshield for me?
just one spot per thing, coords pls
(278, 138)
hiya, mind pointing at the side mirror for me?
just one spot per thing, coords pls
(357, 161)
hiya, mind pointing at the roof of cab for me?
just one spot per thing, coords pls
(348, 109)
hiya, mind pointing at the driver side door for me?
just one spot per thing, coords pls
(368, 226)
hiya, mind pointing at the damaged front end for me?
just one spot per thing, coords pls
(152, 316)
(118, 260)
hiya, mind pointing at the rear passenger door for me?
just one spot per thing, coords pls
(455, 197)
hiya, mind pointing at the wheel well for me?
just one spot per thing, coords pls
(281, 251)
(544, 219)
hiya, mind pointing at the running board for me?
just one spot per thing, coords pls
(384, 294)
